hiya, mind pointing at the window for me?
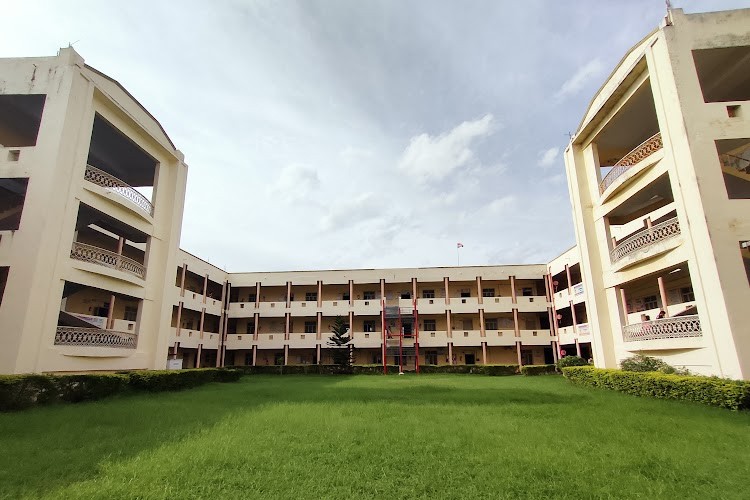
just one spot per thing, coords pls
(345, 296)
(250, 328)
(650, 302)
(131, 313)
(431, 357)
(465, 293)
(368, 295)
(368, 326)
(490, 324)
(527, 357)
(488, 292)
(527, 292)
(468, 324)
(311, 297)
(429, 325)
(506, 323)
(428, 294)
(687, 294)
(405, 295)
(310, 326)
(251, 297)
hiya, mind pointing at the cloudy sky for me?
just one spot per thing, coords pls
(340, 134)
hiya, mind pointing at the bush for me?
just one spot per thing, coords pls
(538, 369)
(76, 388)
(500, 370)
(641, 363)
(494, 370)
(571, 361)
(23, 391)
(733, 394)
(175, 380)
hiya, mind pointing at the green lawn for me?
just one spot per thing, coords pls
(440, 436)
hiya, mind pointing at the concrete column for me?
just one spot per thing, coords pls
(624, 305)
(257, 294)
(414, 290)
(447, 294)
(317, 354)
(120, 245)
(518, 353)
(256, 320)
(203, 317)
(351, 292)
(575, 319)
(255, 355)
(319, 328)
(578, 349)
(513, 289)
(546, 288)
(484, 353)
(516, 327)
(179, 318)
(567, 274)
(556, 351)
(286, 354)
(382, 291)
(449, 330)
(663, 295)
(480, 298)
(205, 288)
(320, 293)
(287, 321)
(450, 353)
(552, 321)
(198, 356)
(351, 324)
(647, 222)
(483, 332)
(111, 312)
(182, 280)
(174, 349)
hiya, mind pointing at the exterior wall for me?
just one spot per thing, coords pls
(38, 253)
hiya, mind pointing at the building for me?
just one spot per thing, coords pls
(83, 253)
(406, 317)
(659, 179)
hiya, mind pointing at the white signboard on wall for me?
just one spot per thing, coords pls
(174, 364)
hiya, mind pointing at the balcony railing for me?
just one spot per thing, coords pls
(666, 328)
(102, 257)
(94, 337)
(106, 180)
(642, 151)
(658, 232)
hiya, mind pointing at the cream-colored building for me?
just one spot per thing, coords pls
(83, 253)
(659, 179)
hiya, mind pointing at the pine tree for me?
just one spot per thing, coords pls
(340, 341)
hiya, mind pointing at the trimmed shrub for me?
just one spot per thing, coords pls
(500, 370)
(23, 391)
(175, 380)
(494, 370)
(725, 393)
(642, 363)
(571, 361)
(76, 388)
(538, 369)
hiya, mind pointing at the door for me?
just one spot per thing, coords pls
(469, 358)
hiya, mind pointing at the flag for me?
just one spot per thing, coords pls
(459, 245)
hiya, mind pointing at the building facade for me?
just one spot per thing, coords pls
(83, 251)
(659, 179)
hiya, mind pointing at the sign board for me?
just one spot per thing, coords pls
(174, 364)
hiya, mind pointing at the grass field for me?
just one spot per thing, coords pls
(440, 436)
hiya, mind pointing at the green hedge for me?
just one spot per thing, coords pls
(538, 369)
(492, 370)
(733, 394)
(24, 391)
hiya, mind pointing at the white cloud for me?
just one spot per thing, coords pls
(295, 182)
(351, 212)
(501, 204)
(433, 158)
(547, 157)
(572, 85)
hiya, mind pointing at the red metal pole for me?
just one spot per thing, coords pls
(400, 343)
(416, 337)
(382, 324)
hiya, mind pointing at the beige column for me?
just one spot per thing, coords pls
(516, 327)
(351, 292)
(288, 293)
(255, 355)
(575, 320)
(317, 353)
(449, 331)
(513, 289)
(286, 354)
(111, 312)
(578, 349)
(556, 351)
(205, 288)
(480, 298)
(414, 291)
(450, 353)
(351, 324)
(483, 332)
(518, 353)
(447, 293)
(546, 288)
(624, 304)
(287, 321)
(382, 291)
(257, 294)
(647, 222)
(320, 293)
(179, 318)
(203, 316)
(256, 320)
(182, 280)
(484, 353)
(663, 295)
(319, 328)
(198, 356)
(174, 349)
(567, 274)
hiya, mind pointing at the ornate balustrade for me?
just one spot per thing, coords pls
(658, 232)
(94, 337)
(642, 151)
(666, 328)
(106, 180)
(102, 257)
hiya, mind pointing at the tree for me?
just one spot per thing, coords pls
(340, 341)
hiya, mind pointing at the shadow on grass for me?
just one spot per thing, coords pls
(49, 448)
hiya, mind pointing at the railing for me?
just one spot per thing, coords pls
(641, 239)
(94, 337)
(96, 255)
(666, 328)
(106, 180)
(643, 150)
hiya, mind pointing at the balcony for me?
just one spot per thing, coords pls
(645, 240)
(640, 153)
(102, 257)
(666, 328)
(94, 337)
(115, 185)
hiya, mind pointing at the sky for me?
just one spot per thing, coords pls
(336, 134)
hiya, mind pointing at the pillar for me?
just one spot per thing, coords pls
(205, 288)
(320, 293)
(382, 291)
(575, 319)
(556, 351)
(414, 291)
(317, 354)
(182, 280)
(286, 354)
(513, 289)
(319, 328)
(288, 293)
(484, 353)
(663, 295)
(450, 353)
(255, 355)
(351, 325)
(179, 318)
(546, 288)
(449, 332)
(483, 332)
(351, 292)
(256, 320)
(624, 305)
(578, 349)
(518, 353)
(111, 312)
(480, 296)
(552, 320)
(447, 293)
(516, 327)
(174, 349)
(198, 356)
(567, 275)
(287, 321)
(257, 294)
(203, 317)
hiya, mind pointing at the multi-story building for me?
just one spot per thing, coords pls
(406, 317)
(91, 198)
(659, 179)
